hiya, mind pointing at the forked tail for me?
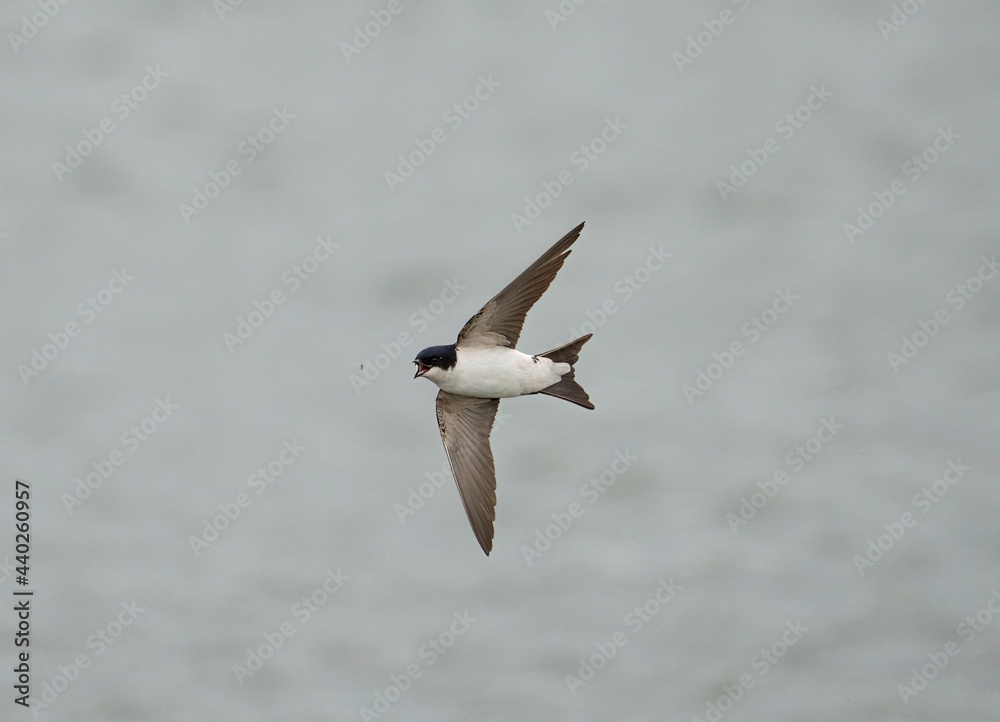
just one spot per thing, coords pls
(567, 388)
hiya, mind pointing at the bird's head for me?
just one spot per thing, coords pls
(434, 361)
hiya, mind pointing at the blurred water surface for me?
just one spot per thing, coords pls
(756, 531)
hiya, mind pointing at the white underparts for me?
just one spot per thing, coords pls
(497, 373)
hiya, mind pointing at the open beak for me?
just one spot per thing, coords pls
(422, 368)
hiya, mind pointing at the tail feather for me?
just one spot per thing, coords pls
(567, 388)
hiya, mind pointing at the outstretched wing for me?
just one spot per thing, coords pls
(499, 322)
(465, 424)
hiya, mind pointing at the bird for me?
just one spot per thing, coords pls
(482, 367)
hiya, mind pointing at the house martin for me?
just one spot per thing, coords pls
(482, 367)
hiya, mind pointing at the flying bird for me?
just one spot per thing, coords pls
(482, 367)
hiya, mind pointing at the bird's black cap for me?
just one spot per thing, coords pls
(443, 357)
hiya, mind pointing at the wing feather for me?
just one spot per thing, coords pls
(465, 423)
(499, 322)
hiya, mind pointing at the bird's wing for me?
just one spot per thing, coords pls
(499, 322)
(465, 424)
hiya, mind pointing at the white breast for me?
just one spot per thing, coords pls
(498, 373)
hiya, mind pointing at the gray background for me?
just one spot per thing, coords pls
(334, 507)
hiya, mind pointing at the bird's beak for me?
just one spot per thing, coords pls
(421, 369)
